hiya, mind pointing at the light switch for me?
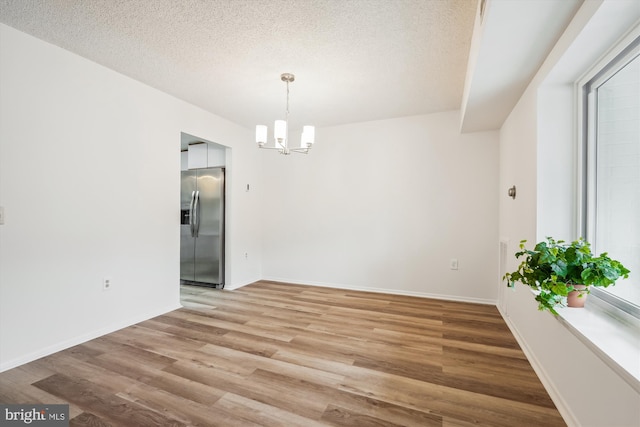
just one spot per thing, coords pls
(1, 215)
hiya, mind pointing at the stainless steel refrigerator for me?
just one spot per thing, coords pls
(202, 227)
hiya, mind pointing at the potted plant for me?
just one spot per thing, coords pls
(557, 270)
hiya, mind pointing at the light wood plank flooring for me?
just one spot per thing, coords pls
(274, 354)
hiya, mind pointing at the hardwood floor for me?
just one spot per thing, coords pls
(274, 354)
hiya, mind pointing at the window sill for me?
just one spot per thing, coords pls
(611, 333)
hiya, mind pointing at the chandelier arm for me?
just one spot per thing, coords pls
(288, 150)
(299, 150)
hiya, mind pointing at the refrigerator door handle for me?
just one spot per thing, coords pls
(191, 221)
(196, 212)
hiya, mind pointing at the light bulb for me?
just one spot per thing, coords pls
(308, 136)
(280, 131)
(261, 134)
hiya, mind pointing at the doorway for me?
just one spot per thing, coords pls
(202, 212)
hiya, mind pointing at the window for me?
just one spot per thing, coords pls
(611, 211)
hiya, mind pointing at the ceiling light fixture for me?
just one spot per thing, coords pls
(281, 130)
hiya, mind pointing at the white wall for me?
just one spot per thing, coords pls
(89, 179)
(538, 154)
(385, 205)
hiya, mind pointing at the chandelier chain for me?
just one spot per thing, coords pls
(287, 112)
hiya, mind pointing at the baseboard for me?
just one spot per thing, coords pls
(236, 286)
(545, 379)
(4, 366)
(386, 291)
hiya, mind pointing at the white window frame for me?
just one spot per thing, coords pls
(623, 53)
(610, 333)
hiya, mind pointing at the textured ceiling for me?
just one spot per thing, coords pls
(354, 60)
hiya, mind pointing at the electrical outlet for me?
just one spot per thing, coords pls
(453, 263)
(106, 284)
(246, 255)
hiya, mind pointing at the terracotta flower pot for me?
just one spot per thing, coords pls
(578, 297)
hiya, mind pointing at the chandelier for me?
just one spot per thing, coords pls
(281, 130)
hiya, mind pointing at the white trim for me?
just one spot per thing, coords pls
(386, 291)
(587, 100)
(610, 333)
(582, 99)
(580, 153)
(503, 250)
(624, 51)
(562, 406)
(236, 286)
(63, 345)
(588, 181)
(617, 48)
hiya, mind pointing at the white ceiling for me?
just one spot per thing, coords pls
(354, 60)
